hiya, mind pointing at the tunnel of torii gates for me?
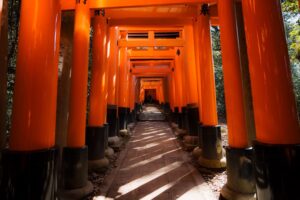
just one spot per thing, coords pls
(163, 45)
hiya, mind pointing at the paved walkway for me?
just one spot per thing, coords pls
(151, 113)
(155, 167)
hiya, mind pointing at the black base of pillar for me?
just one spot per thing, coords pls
(106, 132)
(132, 117)
(129, 118)
(137, 107)
(185, 120)
(240, 174)
(193, 119)
(29, 175)
(75, 174)
(95, 140)
(212, 151)
(167, 111)
(277, 171)
(175, 115)
(167, 107)
(128, 115)
(212, 142)
(112, 120)
(75, 167)
(200, 134)
(180, 120)
(118, 127)
(123, 117)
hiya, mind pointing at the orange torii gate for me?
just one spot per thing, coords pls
(150, 83)
(30, 162)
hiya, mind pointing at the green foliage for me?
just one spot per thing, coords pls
(291, 18)
(219, 78)
(13, 29)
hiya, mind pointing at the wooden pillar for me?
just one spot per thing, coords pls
(32, 136)
(166, 94)
(78, 96)
(235, 109)
(97, 113)
(276, 152)
(197, 57)
(97, 130)
(28, 119)
(209, 115)
(210, 132)
(236, 123)
(131, 96)
(190, 65)
(75, 155)
(112, 95)
(123, 101)
(191, 111)
(178, 73)
(171, 91)
(178, 76)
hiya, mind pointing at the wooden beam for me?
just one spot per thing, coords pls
(175, 11)
(98, 4)
(151, 70)
(151, 75)
(140, 3)
(158, 22)
(151, 54)
(149, 43)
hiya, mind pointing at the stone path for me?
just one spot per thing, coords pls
(151, 113)
(155, 167)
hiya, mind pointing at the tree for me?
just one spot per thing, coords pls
(291, 16)
(219, 78)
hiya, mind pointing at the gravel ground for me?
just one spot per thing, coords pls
(97, 179)
(216, 179)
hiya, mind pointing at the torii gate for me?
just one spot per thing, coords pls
(30, 161)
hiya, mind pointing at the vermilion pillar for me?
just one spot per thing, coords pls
(276, 152)
(192, 112)
(123, 100)
(178, 76)
(78, 94)
(237, 133)
(166, 94)
(132, 94)
(96, 135)
(171, 91)
(236, 121)
(132, 86)
(197, 49)
(112, 95)
(210, 133)
(29, 166)
(190, 66)
(75, 155)
(175, 103)
(97, 97)
(130, 98)
(209, 115)
(183, 108)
